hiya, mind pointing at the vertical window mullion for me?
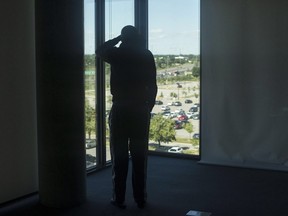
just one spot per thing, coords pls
(100, 85)
(141, 18)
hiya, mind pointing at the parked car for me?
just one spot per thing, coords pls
(90, 143)
(178, 125)
(171, 104)
(179, 112)
(188, 101)
(177, 103)
(165, 108)
(183, 117)
(189, 114)
(89, 164)
(196, 136)
(158, 102)
(193, 109)
(195, 116)
(175, 150)
(90, 158)
(173, 115)
(166, 114)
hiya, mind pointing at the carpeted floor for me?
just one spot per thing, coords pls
(176, 186)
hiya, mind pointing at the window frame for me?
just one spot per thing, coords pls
(141, 23)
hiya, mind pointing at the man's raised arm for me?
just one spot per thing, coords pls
(103, 51)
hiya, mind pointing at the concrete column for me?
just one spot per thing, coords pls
(60, 102)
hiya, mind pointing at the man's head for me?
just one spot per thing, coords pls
(130, 37)
(129, 33)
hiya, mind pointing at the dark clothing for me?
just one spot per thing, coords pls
(129, 129)
(133, 73)
(133, 87)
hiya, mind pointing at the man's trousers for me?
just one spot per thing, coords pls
(129, 131)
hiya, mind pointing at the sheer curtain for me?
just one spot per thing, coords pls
(244, 83)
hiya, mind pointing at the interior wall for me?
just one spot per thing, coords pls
(18, 149)
(244, 83)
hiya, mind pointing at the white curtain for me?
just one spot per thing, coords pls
(244, 45)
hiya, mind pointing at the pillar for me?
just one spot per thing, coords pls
(60, 102)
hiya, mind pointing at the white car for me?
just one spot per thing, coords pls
(173, 115)
(196, 116)
(165, 108)
(189, 114)
(171, 104)
(90, 144)
(176, 150)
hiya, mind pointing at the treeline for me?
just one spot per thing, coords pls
(161, 61)
(167, 61)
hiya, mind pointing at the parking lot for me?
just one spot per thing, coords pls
(164, 95)
(189, 90)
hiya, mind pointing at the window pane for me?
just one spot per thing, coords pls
(118, 14)
(174, 39)
(90, 115)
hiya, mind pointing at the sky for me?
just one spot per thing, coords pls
(174, 25)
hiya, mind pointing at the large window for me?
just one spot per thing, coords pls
(173, 37)
(174, 40)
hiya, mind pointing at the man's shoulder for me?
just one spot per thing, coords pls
(147, 53)
(129, 49)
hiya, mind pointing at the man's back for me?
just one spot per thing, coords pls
(133, 75)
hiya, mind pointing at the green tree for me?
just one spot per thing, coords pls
(173, 95)
(90, 121)
(189, 128)
(89, 61)
(196, 71)
(162, 129)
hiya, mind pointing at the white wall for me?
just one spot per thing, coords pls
(244, 83)
(18, 149)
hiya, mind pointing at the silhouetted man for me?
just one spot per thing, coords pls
(133, 87)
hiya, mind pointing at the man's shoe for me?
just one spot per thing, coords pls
(118, 204)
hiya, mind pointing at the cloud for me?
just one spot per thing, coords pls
(155, 34)
(159, 30)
